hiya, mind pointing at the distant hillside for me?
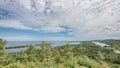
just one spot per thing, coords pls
(110, 41)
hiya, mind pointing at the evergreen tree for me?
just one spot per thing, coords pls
(68, 56)
(46, 53)
(2, 48)
(30, 53)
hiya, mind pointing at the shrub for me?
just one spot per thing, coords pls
(15, 65)
(85, 61)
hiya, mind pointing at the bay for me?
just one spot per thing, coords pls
(25, 43)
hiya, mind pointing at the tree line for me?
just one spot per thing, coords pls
(85, 55)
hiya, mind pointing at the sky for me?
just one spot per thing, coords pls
(59, 20)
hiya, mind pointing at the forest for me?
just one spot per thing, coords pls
(84, 55)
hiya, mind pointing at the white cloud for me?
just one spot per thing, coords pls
(83, 18)
(26, 3)
(28, 38)
(53, 29)
(19, 38)
(13, 24)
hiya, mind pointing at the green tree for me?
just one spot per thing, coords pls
(68, 56)
(100, 57)
(30, 53)
(2, 48)
(31, 50)
(2, 52)
(58, 57)
(46, 53)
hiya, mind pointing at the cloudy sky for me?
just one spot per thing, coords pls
(59, 20)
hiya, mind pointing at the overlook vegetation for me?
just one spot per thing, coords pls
(110, 42)
(85, 55)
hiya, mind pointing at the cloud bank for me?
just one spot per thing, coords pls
(88, 19)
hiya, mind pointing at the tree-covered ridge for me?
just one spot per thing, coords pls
(110, 41)
(84, 55)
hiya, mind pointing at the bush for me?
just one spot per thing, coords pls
(15, 65)
(85, 61)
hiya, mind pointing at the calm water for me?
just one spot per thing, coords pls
(54, 44)
(22, 43)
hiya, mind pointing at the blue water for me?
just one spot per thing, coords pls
(23, 43)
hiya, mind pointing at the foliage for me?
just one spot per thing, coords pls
(84, 55)
(85, 61)
(110, 42)
(2, 44)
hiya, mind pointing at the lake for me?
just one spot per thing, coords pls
(25, 43)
